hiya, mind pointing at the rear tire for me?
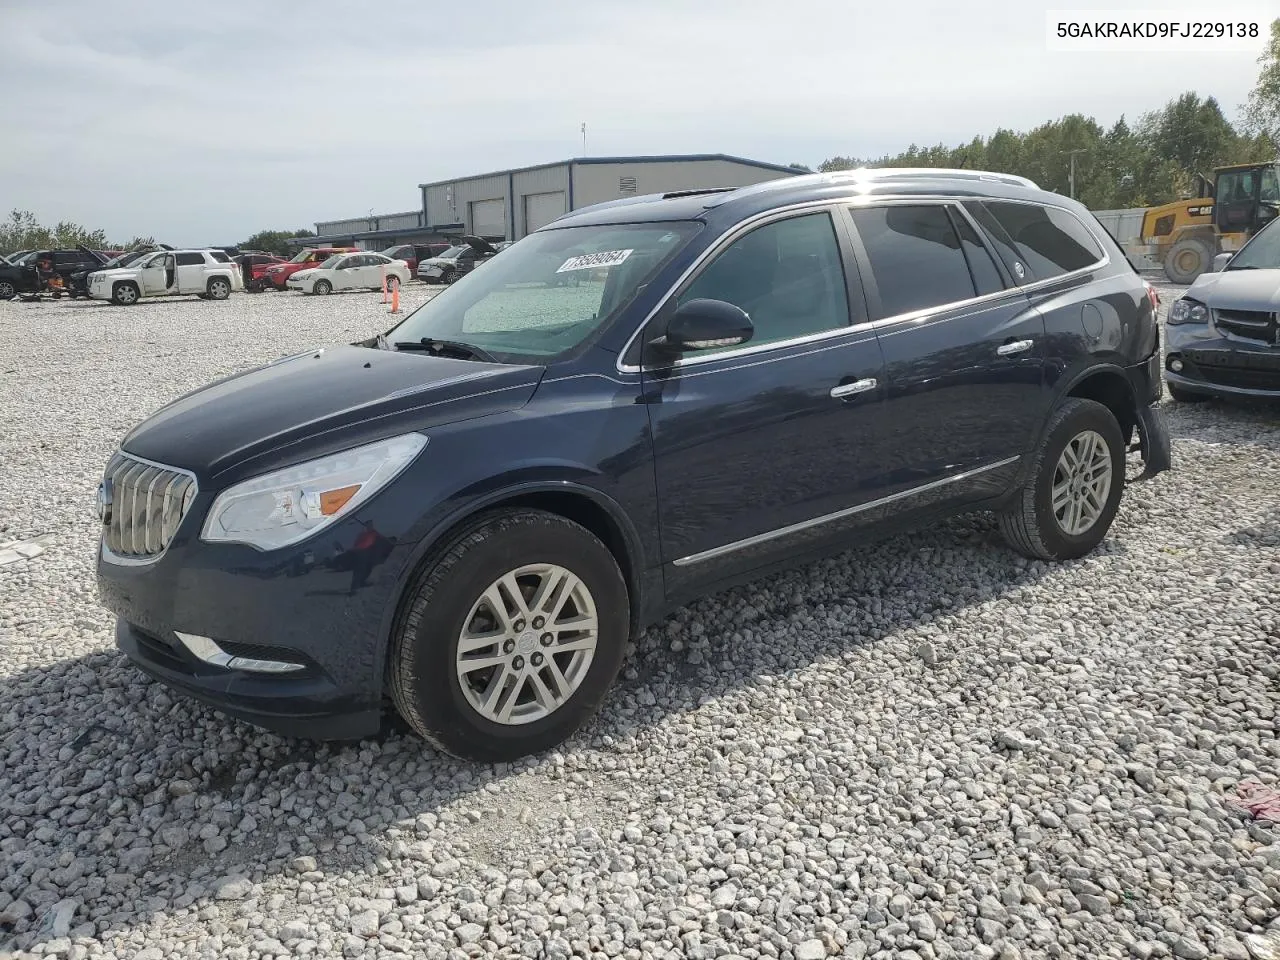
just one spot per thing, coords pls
(1187, 260)
(322, 287)
(125, 294)
(1185, 396)
(528, 697)
(8, 290)
(219, 288)
(1065, 509)
(392, 283)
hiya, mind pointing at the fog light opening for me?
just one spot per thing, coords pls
(1175, 365)
(208, 650)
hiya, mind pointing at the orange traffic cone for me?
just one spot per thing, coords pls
(395, 297)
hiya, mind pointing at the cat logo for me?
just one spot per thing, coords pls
(1202, 211)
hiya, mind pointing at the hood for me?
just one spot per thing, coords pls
(93, 253)
(319, 402)
(304, 274)
(116, 273)
(478, 244)
(1238, 290)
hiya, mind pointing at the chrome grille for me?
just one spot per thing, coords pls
(147, 503)
(1250, 324)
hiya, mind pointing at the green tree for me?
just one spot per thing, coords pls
(273, 241)
(23, 231)
(1262, 112)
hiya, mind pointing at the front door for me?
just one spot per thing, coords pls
(963, 352)
(154, 275)
(763, 448)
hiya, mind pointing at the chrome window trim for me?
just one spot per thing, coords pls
(837, 515)
(831, 204)
(111, 557)
(779, 213)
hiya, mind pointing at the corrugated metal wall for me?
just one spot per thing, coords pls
(407, 220)
(450, 202)
(548, 180)
(598, 182)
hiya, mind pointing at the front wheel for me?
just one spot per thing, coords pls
(322, 287)
(1073, 493)
(8, 290)
(1187, 260)
(392, 283)
(508, 640)
(125, 294)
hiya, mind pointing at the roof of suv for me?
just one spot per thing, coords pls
(771, 194)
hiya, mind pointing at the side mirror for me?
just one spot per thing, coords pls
(1220, 262)
(704, 325)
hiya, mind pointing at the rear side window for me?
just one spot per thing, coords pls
(190, 259)
(986, 278)
(915, 257)
(220, 257)
(1050, 240)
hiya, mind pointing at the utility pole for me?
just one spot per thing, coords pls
(584, 139)
(1072, 174)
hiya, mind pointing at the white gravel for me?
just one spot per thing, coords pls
(928, 748)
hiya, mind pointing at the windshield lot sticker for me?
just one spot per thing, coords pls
(589, 261)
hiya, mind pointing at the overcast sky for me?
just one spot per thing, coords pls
(201, 123)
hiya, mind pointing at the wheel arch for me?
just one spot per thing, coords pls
(584, 505)
(1106, 384)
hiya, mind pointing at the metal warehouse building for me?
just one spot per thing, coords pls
(508, 204)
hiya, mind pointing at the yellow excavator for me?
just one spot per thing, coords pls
(1185, 236)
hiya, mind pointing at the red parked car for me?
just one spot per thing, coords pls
(254, 266)
(278, 274)
(412, 253)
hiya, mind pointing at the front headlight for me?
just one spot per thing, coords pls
(286, 506)
(1188, 311)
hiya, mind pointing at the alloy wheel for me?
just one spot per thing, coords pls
(1081, 483)
(527, 644)
(7, 290)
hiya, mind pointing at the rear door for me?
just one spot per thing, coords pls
(191, 272)
(964, 353)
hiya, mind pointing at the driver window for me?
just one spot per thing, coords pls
(786, 275)
(1269, 192)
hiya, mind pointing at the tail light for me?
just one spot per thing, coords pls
(1153, 296)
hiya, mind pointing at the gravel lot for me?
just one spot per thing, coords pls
(928, 748)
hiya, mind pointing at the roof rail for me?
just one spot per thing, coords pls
(931, 173)
(696, 192)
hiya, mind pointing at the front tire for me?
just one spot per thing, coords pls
(125, 294)
(322, 287)
(8, 290)
(510, 636)
(1070, 500)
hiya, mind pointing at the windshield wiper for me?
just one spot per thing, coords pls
(447, 348)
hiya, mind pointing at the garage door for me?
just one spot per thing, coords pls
(541, 208)
(489, 218)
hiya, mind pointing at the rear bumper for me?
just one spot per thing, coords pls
(1153, 430)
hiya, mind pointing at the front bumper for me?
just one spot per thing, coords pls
(1215, 365)
(321, 603)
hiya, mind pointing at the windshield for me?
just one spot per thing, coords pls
(332, 262)
(452, 253)
(302, 256)
(549, 292)
(1260, 253)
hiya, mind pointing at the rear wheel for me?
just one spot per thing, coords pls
(125, 294)
(449, 276)
(8, 290)
(509, 639)
(1073, 493)
(1187, 260)
(392, 283)
(219, 288)
(322, 287)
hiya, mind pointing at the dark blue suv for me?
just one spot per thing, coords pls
(642, 402)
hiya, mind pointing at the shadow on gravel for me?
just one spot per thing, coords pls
(156, 799)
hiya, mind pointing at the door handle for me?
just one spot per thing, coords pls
(1016, 346)
(849, 389)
